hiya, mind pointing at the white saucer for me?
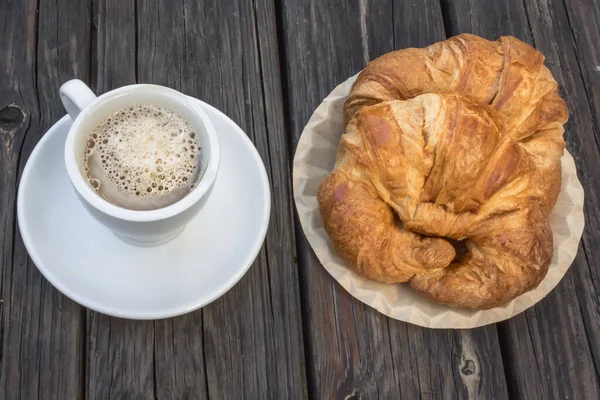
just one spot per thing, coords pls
(89, 264)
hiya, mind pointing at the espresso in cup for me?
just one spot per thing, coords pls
(143, 157)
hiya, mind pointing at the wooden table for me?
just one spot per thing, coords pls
(287, 329)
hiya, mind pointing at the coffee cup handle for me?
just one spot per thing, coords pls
(75, 95)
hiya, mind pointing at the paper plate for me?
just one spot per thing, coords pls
(315, 158)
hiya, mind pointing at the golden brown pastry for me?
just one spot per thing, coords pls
(448, 169)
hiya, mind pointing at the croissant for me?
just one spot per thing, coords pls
(448, 169)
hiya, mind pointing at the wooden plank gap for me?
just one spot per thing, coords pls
(264, 109)
(300, 243)
(26, 119)
(527, 18)
(14, 223)
(455, 367)
(36, 89)
(307, 339)
(586, 321)
(85, 338)
(184, 42)
(452, 26)
(283, 60)
(445, 9)
(93, 45)
(578, 58)
(205, 369)
(136, 52)
(154, 366)
(589, 263)
(506, 353)
(393, 26)
(394, 366)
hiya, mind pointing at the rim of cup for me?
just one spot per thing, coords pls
(80, 183)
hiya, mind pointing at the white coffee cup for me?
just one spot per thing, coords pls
(144, 228)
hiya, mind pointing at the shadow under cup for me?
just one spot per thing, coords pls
(152, 227)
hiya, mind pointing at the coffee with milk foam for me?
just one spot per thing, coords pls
(143, 157)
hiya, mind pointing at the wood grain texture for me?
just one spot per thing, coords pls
(351, 348)
(448, 364)
(260, 61)
(253, 334)
(248, 343)
(557, 339)
(179, 358)
(582, 18)
(42, 344)
(179, 369)
(120, 357)
(553, 34)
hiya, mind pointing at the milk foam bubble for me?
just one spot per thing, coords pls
(143, 157)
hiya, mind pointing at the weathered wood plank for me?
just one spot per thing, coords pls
(179, 354)
(351, 348)
(120, 358)
(253, 334)
(178, 342)
(42, 345)
(557, 339)
(553, 35)
(582, 19)
(115, 44)
(347, 345)
(448, 363)
(120, 361)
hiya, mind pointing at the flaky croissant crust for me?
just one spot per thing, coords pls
(448, 169)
